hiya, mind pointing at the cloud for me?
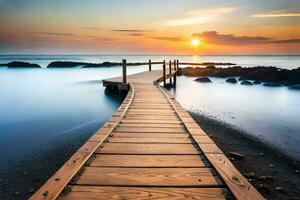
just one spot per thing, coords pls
(199, 16)
(136, 34)
(130, 30)
(102, 39)
(93, 28)
(54, 33)
(214, 37)
(170, 39)
(287, 41)
(276, 15)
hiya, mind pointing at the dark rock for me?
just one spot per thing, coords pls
(263, 187)
(65, 64)
(203, 80)
(245, 82)
(236, 155)
(70, 64)
(272, 84)
(256, 82)
(104, 64)
(279, 189)
(272, 166)
(295, 87)
(249, 175)
(265, 178)
(259, 74)
(17, 64)
(231, 80)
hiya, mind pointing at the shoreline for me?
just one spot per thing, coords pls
(273, 173)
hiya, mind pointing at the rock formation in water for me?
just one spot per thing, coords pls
(245, 82)
(18, 64)
(65, 64)
(259, 74)
(203, 80)
(231, 80)
(70, 64)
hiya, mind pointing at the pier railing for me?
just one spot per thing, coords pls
(173, 69)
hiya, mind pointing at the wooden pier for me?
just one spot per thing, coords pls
(151, 148)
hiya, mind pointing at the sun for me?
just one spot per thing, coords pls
(195, 42)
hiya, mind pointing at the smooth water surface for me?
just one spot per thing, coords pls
(288, 62)
(269, 114)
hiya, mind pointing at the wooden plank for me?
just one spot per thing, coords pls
(147, 161)
(143, 193)
(151, 117)
(145, 135)
(139, 121)
(165, 125)
(238, 185)
(149, 130)
(149, 139)
(113, 176)
(132, 148)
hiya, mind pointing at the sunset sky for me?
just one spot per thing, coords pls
(228, 27)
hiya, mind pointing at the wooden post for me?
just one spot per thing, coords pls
(175, 69)
(177, 66)
(170, 71)
(150, 65)
(164, 72)
(124, 71)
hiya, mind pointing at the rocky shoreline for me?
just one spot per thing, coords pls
(273, 173)
(268, 76)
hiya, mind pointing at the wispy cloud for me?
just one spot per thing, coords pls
(136, 34)
(54, 33)
(199, 16)
(214, 37)
(130, 30)
(93, 28)
(170, 39)
(270, 15)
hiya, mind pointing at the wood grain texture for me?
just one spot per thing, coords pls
(143, 193)
(149, 139)
(147, 161)
(131, 148)
(147, 177)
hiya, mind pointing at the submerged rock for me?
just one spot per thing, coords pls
(245, 82)
(295, 87)
(236, 155)
(231, 80)
(256, 82)
(17, 64)
(272, 84)
(203, 80)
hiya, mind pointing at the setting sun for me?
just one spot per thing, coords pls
(195, 42)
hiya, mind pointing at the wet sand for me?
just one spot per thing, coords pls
(273, 173)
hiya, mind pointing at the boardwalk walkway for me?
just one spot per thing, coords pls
(150, 149)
